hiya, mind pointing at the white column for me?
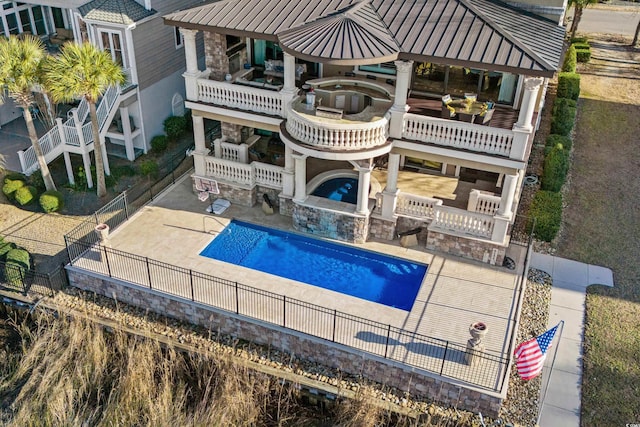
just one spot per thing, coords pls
(69, 168)
(300, 177)
(126, 130)
(289, 73)
(390, 193)
(200, 150)
(399, 108)
(86, 161)
(364, 180)
(288, 172)
(105, 158)
(507, 195)
(191, 55)
(527, 108)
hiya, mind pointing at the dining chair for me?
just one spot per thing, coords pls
(470, 95)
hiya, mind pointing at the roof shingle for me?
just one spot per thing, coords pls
(115, 11)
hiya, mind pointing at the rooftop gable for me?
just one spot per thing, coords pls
(124, 12)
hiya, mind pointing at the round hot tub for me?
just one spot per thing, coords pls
(341, 189)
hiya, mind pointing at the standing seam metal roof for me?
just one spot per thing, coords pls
(124, 12)
(480, 33)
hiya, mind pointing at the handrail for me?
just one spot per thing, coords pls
(245, 98)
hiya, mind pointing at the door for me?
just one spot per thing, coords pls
(111, 42)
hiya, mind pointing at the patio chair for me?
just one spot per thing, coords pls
(484, 119)
(446, 112)
(470, 95)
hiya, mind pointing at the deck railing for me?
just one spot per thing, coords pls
(481, 202)
(416, 206)
(451, 133)
(244, 98)
(464, 222)
(243, 174)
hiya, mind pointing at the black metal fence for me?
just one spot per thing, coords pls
(431, 354)
(17, 278)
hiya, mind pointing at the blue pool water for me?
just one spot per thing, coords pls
(368, 275)
(340, 189)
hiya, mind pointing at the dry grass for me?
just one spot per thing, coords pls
(602, 226)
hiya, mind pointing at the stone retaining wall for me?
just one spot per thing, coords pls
(381, 228)
(466, 247)
(331, 224)
(299, 345)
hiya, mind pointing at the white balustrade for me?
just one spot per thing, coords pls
(267, 175)
(230, 151)
(462, 221)
(229, 171)
(242, 97)
(416, 206)
(335, 134)
(451, 133)
(482, 202)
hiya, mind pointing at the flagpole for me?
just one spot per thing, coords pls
(553, 361)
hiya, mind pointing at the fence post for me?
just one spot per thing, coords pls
(335, 314)
(444, 358)
(126, 205)
(66, 244)
(148, 271)
(284, 311)
(386, 345)
(237, 302)
(95, 214)
(106, 259)
(151, 192)
(191, 281)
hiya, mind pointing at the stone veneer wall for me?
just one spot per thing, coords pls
(241, 196)
(465, 247)
(271, 192)
(331, 224)
(406, 224)
(216, 59)
(231, 131)
(381, 228)
(305, 347)
(286, 205)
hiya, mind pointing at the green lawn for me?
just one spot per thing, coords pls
(602, 226)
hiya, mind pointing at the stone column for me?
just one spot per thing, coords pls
(528, 105)
(364, 179)
(400, 107)
(191, 56)
(390, 192)
(288, 173)
(215, 47)
(507, 195)
(231, 132)
(300, 177)
(201, 148)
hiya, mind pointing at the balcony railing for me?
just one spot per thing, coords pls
(253, 99)
(255, 173)
(336, 134)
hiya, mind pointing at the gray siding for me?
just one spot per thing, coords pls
(154, 44)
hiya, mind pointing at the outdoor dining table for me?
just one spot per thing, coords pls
(467, 111)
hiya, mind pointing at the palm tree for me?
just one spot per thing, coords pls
(84, 70)
(20, 63)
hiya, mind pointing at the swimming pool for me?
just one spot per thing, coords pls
(368, 275)
(340, 189)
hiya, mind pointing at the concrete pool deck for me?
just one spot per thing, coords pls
(455, 292)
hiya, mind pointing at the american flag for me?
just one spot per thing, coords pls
(530, 354)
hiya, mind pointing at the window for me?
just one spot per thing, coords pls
(38, 20)
(111, 43)
(12, 24)
(26, 21)
(384, 68)
(58, 17)
(178, 37)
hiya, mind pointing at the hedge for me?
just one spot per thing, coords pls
(553, 140)
(51, 201)
(570, 60)
(564, 114)
(11, 186)
(579, 40)
(569, 85)
(556, 164)
(546, 208)
(26, 195)
(159, 143)
(18, 262)
(583, 55)
(581, 46)
(5, 247)
(174, 127)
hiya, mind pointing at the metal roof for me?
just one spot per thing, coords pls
(347, 38)
(124, 12)
(485, 34)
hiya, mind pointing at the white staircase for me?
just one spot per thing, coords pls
(73, 135)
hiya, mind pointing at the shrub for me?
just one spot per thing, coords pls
(546, 208)
(583, 55)
(569, 86)
(556, 164)
(570, 60)
(51, 201)
(553, 140)
(149, 168)
(564, 114)
(26, 195)
(37, 181)
(15, 176)
(174, 127)
(122, 170)
(5, 247)
(581, 46)
(159, 143)
(11, 186)
(579, 40)
(18, 262)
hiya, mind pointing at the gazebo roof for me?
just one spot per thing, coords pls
(487, 34)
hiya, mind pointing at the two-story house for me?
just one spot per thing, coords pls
(368, 118)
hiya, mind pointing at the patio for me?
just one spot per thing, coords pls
(454, 294)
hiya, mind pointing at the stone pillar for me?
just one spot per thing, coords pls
(528, 105)
(288, 173)
(215, 48)
(231, 132)
(390, 192)
(364, 179)
(507, 195)
(400, 107)
(191, 56)
(300, 177)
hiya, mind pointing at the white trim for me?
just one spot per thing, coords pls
(178, 38)
(128, 37)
